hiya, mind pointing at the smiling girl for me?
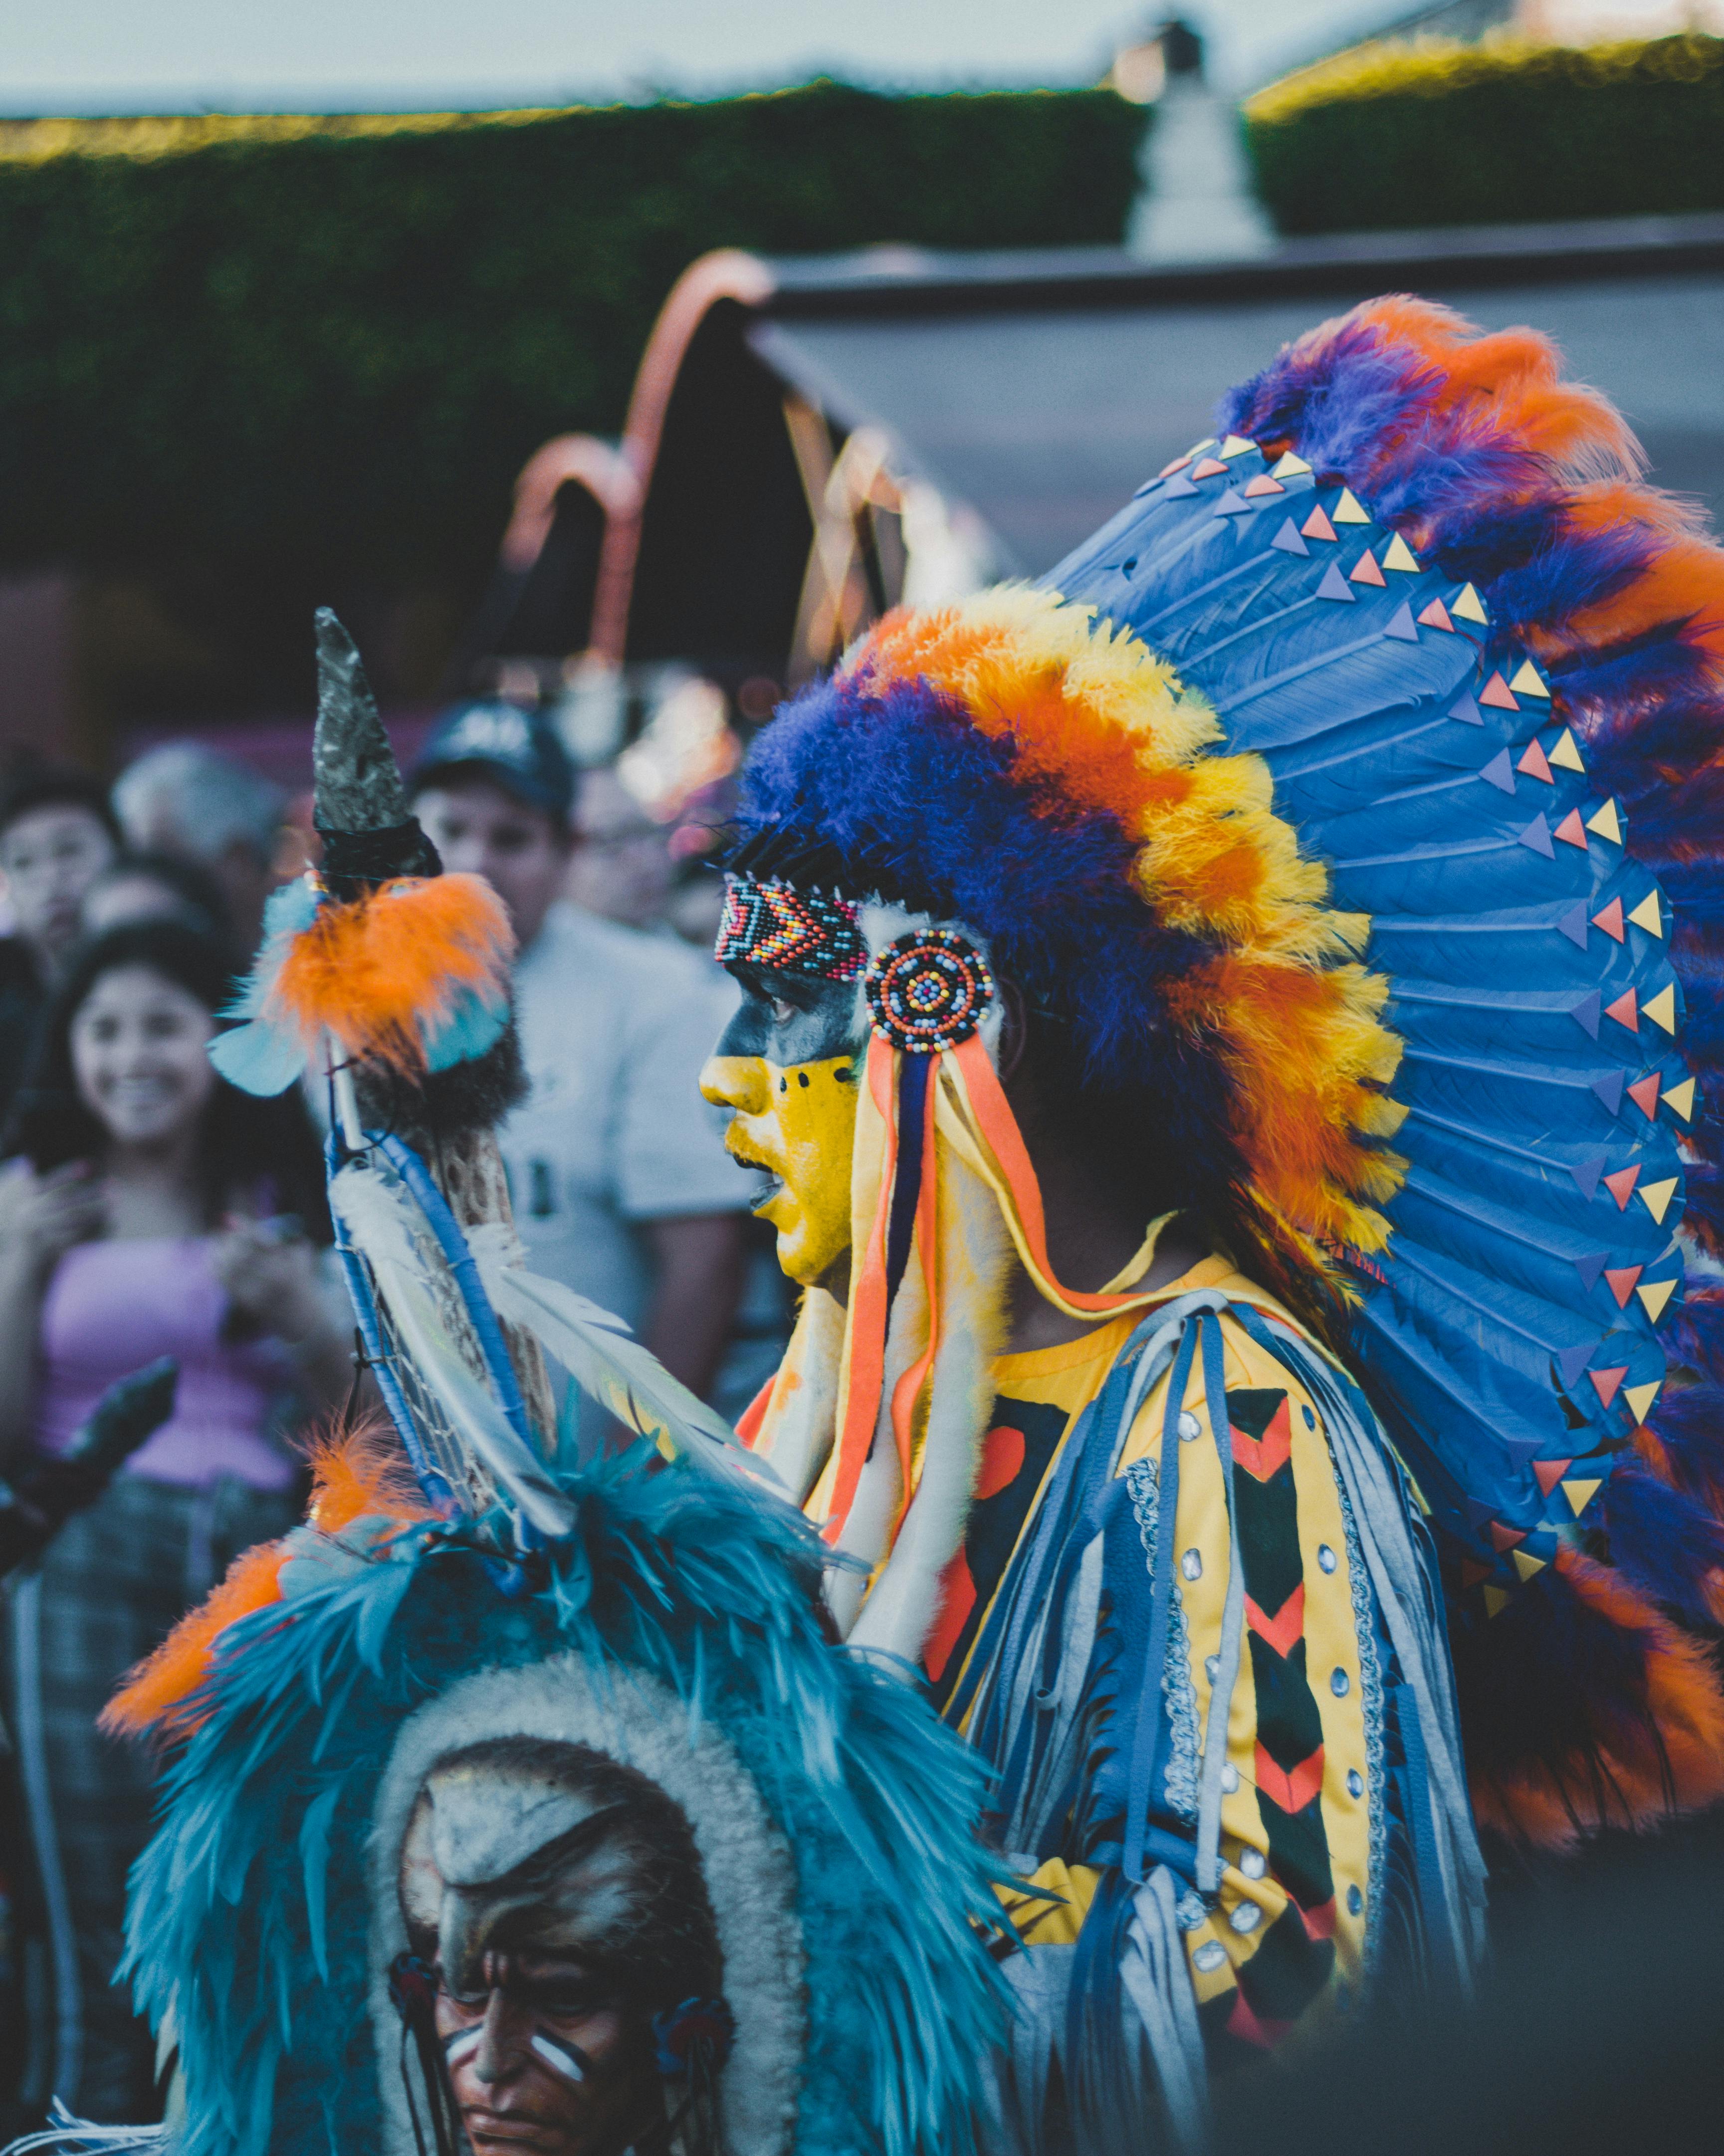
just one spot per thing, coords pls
(151, 1210)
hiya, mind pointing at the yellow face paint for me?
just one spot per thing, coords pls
(799, 1124)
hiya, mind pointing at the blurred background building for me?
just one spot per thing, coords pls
(640, 412)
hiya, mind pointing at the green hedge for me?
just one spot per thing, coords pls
(240, 350)
(1388, 137)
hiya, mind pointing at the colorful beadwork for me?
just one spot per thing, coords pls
(799, 931)
(928, 990)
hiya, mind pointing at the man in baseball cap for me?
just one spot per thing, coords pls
(517, 751)
(621, 1183)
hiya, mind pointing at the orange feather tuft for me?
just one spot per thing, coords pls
(361, 1474)
(378, 972)
(1511, 380)
(1509, 386)
(356, 1474)
(157, 1695)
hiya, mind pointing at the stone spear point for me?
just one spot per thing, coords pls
(369, 833)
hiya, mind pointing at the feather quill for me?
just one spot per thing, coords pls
(70, 2134)
(380, 1227)
(600, 1353)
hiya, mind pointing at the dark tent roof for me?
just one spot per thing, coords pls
(1038, 389)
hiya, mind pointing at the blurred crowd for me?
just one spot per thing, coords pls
(149, 1208)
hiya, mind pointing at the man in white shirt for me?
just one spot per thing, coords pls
(621, 1184)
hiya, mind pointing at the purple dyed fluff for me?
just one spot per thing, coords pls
(1703, 1208)
(1554, 1680)
(1678, 817)
(1359, 406)
(1688, 1423)
(1661, 1542)
(1639, 704)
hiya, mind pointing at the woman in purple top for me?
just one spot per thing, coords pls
(151, 1210)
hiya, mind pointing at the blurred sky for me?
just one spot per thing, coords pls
(62, 56)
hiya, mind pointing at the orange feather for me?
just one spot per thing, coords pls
(377, 973)
(361, 1474)
(155, 1696)
(1510, 383)
(356, 1474)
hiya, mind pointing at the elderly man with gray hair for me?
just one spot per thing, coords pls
(187, 799)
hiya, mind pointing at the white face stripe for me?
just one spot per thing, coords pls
(557, 2057)
(455, 2048)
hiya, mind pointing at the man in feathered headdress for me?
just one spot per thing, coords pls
(1169, 995)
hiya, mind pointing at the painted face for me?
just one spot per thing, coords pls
(531, 1895)
(140, 1055)
(789, 1065)
(544, 2062)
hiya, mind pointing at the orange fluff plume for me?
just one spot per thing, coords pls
(358, 1475)
(159, 1697)
(361, 1474)
(1096, 722)
(390, 969)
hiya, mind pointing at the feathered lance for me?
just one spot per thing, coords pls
(392, 978)
(370, 840)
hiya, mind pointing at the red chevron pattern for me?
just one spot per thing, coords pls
(1286, 1628)
(1263, 1457)
(799, 931)
(1291, 1788)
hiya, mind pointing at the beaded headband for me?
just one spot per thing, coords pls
(769, 923)
(927, 990)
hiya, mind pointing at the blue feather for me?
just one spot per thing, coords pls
(287, 911)
(258, 1058)
(475, 1024)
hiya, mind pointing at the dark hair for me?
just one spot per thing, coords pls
(35, 785)
(191, 883)
(246, 1142)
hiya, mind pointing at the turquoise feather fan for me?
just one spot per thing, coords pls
(251, 1925)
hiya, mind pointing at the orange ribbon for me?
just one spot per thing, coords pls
(866, 1357)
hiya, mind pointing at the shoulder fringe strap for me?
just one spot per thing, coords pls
(1022, 1659)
